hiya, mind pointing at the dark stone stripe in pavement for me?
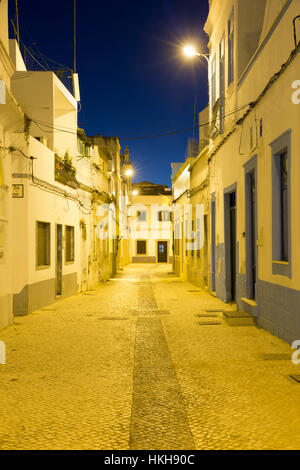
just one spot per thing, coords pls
(158, 419)
(146, 299)
(148, 312)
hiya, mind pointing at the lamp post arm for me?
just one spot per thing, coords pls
(206, 56)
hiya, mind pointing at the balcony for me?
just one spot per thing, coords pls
(65, 172)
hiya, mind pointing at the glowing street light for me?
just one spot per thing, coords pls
(128, 172)
(190, 51)
(135, 192)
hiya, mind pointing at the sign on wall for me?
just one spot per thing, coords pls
(18, 190)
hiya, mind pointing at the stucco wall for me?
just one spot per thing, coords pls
(151, 230)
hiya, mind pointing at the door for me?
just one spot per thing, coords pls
(213, 245)
(162, 252)
(59, 259)
(232, 205)
(84, 258)
(251, 250)
(205, 253)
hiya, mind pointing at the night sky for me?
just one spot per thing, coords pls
(134, 80)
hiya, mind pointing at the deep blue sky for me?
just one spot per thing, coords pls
(133, 77)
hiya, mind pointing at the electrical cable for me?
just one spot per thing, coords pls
(61, 193)
(295, 32)
(34, 58)
(166, 134)
(43, 56)
(251, 106)
(15, 149)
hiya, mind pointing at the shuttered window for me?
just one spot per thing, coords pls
(141, 247)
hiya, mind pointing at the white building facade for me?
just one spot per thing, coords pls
(11, 123)
(151, 237)
(59, 190)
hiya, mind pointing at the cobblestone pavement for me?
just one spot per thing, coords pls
(130, 366)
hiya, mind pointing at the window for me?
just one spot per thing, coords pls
(213, 81)
(43, 244)
(84, 149)
(163, 216)
(142, 216)
(70, 254)
(230, 49)
(281, 191)
(141, 247)
(281, 203)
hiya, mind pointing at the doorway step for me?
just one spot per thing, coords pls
(239, 318)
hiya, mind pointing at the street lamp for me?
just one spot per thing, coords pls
(128, 172)
(135, 192)
(190, 51)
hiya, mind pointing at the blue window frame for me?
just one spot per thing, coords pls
(281, 205)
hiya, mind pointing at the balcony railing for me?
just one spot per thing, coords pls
(192, 149)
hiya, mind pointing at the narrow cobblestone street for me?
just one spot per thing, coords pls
(135, 364)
